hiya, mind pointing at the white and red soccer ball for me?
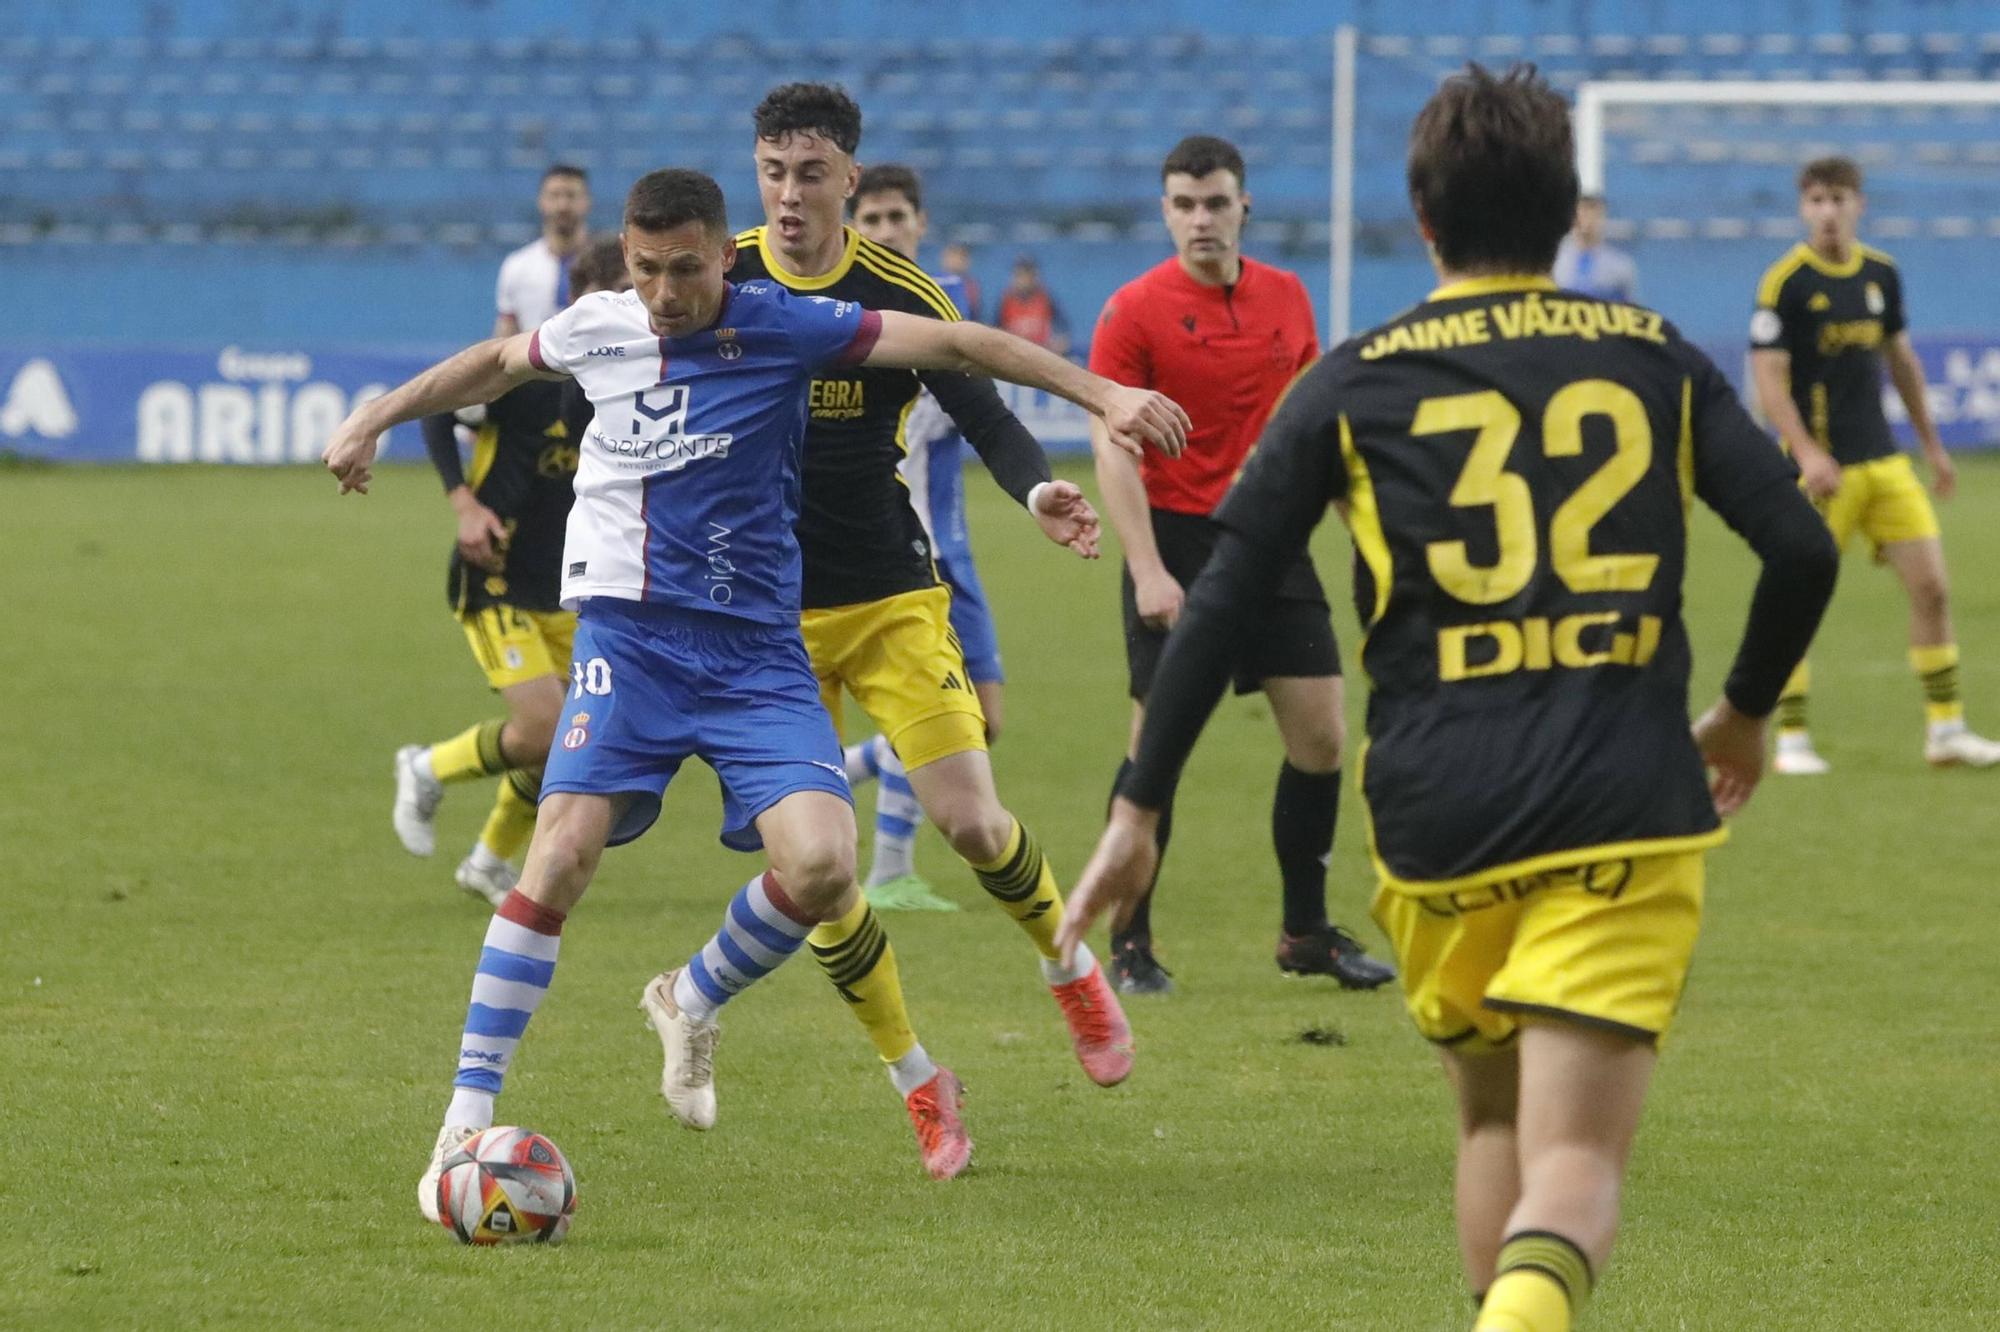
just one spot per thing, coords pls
(506, 1186)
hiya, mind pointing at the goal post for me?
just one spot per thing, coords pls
(1593, 99)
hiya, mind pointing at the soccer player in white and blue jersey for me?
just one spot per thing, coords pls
(683, 566)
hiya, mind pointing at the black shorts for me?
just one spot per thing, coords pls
(1293, 637)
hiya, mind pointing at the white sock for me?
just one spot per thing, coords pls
(690, 1000)
(1944, 730)
(486, 858)
(1794, 740)
(469, 1108)
(1080, 966)
(422, 763)
(859, 762)
(897, 815)
(912, 1071)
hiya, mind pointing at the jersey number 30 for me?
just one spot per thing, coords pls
(1486, 482)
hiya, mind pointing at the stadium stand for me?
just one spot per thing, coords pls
(368, 129)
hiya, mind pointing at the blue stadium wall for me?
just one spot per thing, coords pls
(1089, 89)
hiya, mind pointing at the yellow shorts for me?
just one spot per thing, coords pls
(901, 661)
(1883, 500)
(1606, 945)
(514, 646)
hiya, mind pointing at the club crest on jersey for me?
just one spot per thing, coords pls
(1875, 302)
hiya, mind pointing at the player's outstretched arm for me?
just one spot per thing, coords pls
(1015, 460)
(1134, 417)
(479, 374)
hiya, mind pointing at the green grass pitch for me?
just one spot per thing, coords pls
(230, 1000)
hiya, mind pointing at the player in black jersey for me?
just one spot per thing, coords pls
(1515, 464)
(1829, 314)
(876, 619)
(504, 584)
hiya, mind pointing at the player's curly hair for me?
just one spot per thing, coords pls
(1492, 170)
(820, 109)
(672, 197)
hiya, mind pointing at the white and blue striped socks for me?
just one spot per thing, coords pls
(515, 968)
(897, 815)
(761, 929)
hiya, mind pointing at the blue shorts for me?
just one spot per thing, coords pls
(970, 618)
(651, 685)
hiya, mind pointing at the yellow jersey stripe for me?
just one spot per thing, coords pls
(1684, 454)
(484, 450)
(1364, 520)
(926, 291)
(1776, 276)
(1877, 255)
(923, 281)
(758, 237)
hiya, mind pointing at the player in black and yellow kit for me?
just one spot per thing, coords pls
(1828, 315)
(1515, 464)
(876, 613)
(506, 573)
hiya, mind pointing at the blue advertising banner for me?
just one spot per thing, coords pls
(123, 403)
(118, 403)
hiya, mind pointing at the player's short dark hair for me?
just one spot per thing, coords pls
(672, 197)
(597, 266)
(1836, 173)
(576, 173)
(820, 109)
(1199, 154)
(1493, 170)
(890, 178)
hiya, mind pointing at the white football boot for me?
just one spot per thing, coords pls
(490, 881)
(1795, 756)
(450, 1138)
(417, 797)
(1955, 747)
(688, 1080)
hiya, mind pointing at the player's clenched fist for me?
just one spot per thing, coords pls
(348, 454)
(1138, 417)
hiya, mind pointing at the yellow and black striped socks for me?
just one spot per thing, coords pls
(1937, 671)
(512, 820)
(474, 752)
(854, 953)
(1539, 1285)
(1792, 702)
(1025, 887)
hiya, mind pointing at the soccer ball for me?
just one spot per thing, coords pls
(506, 1186)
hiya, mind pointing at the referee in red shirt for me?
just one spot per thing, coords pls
(1224, 335)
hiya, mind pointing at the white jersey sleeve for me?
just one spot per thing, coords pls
(559, 343)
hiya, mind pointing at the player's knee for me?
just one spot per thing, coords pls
(566, 854)
(815, 873)
(531, 730)
(1930, 596)
(979, 834)
(1318, 750)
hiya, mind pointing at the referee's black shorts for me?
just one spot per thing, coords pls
(1294, 637)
